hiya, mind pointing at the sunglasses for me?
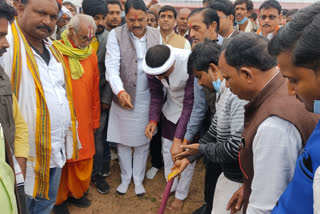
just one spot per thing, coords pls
(271, 17)
(84, 38)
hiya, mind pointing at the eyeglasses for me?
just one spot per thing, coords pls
(271, 17)
(84, 38)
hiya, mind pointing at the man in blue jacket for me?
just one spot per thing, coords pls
(296, 46)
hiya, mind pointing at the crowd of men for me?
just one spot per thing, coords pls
(238, 89)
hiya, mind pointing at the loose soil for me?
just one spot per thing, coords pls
(129, 203)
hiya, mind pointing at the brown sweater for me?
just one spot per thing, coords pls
(273, 100)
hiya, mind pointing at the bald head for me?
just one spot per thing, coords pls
(80, 21)
(182, 20)
(184, 11)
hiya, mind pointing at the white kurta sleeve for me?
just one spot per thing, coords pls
(112, 63)
(276, 147)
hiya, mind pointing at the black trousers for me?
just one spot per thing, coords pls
(213, 171)
(155, 149)
(101, 159)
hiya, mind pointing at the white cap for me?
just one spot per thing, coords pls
(162, 69)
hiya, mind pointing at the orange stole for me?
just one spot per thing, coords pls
(86, 101)
(75, 180)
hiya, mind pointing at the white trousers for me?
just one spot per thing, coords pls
(182, 185)
(223, 193)
(133, 165)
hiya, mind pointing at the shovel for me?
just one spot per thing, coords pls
(166, 193)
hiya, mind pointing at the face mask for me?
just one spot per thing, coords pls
(316, 106)
(241, 22)
(217, 84)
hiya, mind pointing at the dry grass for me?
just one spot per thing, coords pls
(130, 204)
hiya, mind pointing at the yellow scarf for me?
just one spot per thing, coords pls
(95, 44)
(74, 55)
(43, 131)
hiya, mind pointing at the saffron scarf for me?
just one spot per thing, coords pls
(43, 131)
(74, 55)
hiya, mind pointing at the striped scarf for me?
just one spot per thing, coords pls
(43, 131)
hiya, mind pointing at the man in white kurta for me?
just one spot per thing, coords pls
(167, 71)
(126, 47)
(42, 86)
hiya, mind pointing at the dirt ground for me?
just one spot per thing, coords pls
(129, 203)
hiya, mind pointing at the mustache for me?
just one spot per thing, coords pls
(46, 27)
(266, 25)
(3, 50)
(100, 26)
(134, 27)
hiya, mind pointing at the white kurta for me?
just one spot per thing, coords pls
(316, 192)
(127, 126)
(53, 82)
(276, 147)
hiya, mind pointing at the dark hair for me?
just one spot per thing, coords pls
(209, 16)
(271, 4)
(284, 12)
(25, 2)
(135, 4)
(153, 13)
(168, 8)
(94, 7)
(6, 11)
(254, 16)
(292, 12)
(251, 50)
(224, 6)
(202, 55)
(114, 2)
(69, 3)
(301, 37)
(157, 55)
(249, 4)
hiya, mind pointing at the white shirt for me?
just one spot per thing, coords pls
(269, 36)
(112, 63)
(248, 28)
(220, 39)
(53, 83)
(316, 192)
(135, 120)
(141, 50)
(185, 34)
(276, 147)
